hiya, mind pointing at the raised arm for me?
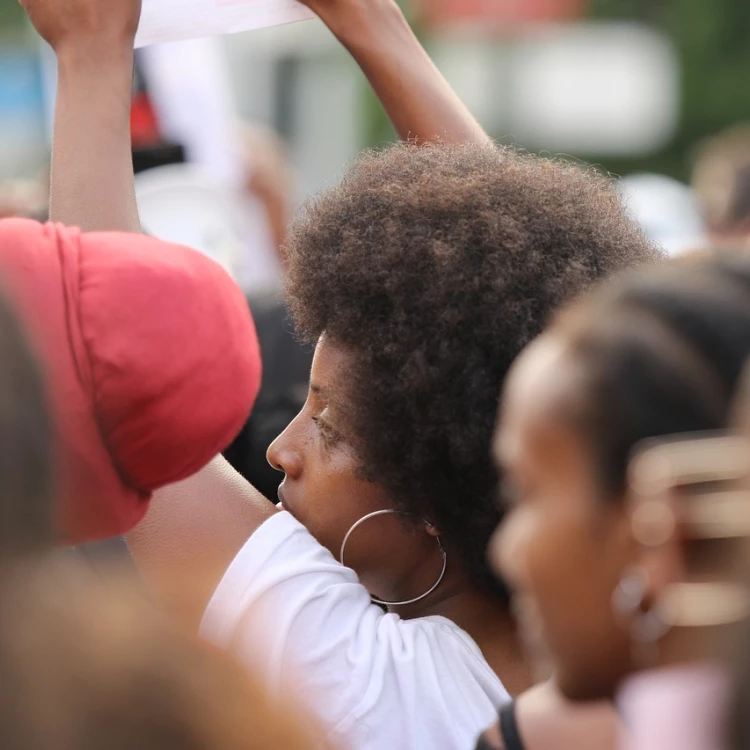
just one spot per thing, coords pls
(92, 168)
(192, 532)
(418, 100)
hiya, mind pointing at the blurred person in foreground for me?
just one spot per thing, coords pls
(119, 432)
(421, 276)
(86, 665)
(621, 478)
(27, 475)
(721, 181)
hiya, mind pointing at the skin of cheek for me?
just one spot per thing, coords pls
(570, 572)
(326, 494)
(507, 557)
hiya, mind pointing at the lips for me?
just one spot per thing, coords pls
(283, 502)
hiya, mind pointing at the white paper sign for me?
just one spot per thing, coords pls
(173, 20)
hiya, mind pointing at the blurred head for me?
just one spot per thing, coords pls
(421, 277)
(26, 464)
(721, 179)
(653, 355)
(86, 665)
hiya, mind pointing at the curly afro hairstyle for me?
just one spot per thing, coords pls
(435, 266)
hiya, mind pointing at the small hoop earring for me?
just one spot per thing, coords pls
(374, 598)
(646, 628)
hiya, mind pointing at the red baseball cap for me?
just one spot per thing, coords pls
(151, 359)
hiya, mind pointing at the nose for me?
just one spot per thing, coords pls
(284, 455)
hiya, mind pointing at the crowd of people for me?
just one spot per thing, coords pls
(514, 510)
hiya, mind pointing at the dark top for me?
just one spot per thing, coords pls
(511, 738)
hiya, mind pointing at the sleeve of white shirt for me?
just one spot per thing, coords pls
(304, 622)
(295, 613)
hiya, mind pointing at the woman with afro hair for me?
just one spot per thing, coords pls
(419, 279)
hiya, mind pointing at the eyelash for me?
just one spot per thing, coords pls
(329, 435)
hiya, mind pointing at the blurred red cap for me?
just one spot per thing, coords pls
(151, 358)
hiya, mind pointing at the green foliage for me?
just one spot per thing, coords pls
(11, 15)
(713, 40)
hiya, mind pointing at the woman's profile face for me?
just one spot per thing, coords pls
(562, 547)
(324, 489)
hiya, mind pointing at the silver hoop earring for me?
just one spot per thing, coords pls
(646, 628)
(374, 598)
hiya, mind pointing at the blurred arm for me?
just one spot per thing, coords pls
(192, 532)
(418, 100)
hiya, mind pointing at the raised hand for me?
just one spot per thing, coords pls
(65, 23)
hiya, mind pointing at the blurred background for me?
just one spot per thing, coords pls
(634, 85)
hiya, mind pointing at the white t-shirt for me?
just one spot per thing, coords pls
(307, 626)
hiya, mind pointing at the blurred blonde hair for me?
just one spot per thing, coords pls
(721, 180)
(84, 665)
